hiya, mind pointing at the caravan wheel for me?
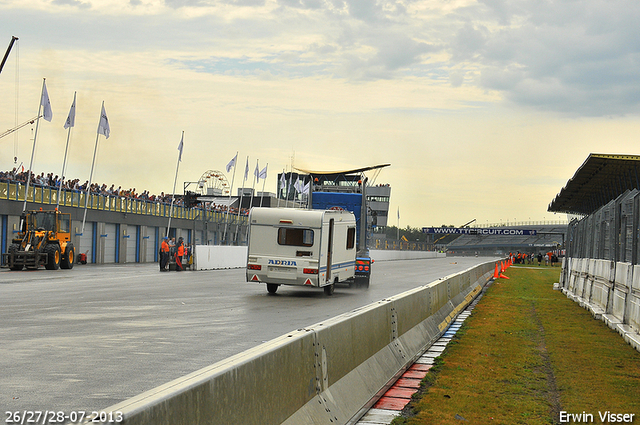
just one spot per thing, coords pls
(272, 288)
(328, 290)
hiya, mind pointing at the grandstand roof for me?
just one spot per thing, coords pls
(600, 179)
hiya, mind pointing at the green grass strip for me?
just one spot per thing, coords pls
(529, 355)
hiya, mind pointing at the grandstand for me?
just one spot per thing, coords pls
(549, 237)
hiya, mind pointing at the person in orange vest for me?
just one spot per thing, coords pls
(164, 254)
(179, 255)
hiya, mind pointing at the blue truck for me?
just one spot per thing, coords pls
(352, 202)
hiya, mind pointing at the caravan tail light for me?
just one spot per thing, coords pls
(254, 266)
(310, 271)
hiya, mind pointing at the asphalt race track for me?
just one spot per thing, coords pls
(87, 338)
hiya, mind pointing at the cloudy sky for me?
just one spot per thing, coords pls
(484, 109)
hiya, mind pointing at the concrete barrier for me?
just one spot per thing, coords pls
(388, 255)
(610, 291)
(212, 257)
(324, 374)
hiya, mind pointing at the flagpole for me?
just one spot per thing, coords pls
(253, 185)
(264, 181)
(103, 125)
(289, 186)
(226, 218)
(285, 183)
(398, 229)
(64, 161)
(88, 188)
(246, 171)
(253, 188)
(175, 180)
(33, 149)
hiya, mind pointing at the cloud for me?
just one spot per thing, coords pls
(75, 3)
(302, 4)
(573, 57)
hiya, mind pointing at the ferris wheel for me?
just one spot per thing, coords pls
(213, 183)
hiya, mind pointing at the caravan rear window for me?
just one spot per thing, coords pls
(295, 237)
(351, 237)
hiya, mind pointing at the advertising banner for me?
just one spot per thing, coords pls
(478, 231)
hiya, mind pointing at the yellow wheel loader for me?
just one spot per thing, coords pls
(44, 239)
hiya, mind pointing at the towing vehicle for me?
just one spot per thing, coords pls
(356, 204)
(44, 240)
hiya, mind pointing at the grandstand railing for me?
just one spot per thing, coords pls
(73, 198)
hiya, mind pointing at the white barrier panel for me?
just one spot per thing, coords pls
(619, 295)
(633, 311)
(582, 280)
(574, 277)
(324, 374)
(611, 293)
(602, 284)
(588, 284)
(212, 257)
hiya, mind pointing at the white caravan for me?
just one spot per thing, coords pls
(301, 247)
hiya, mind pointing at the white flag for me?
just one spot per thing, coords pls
(71, 119)
(256, 172)
(180, 148)
(246, 170)
(298, 185)
(47, 114)
(263, 173)
(232, 163)
(283, 180)
(306, 187)
(103, 127)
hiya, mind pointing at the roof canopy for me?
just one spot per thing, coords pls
(332, 173)
(599, 180)
(338, 177)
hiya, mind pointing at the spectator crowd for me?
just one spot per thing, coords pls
(50, 180)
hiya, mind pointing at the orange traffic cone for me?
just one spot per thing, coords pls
(502, 267)
(503, 276)
(496, 272)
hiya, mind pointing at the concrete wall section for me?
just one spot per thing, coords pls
(324, 374)
(610, 291)
(383, 255)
